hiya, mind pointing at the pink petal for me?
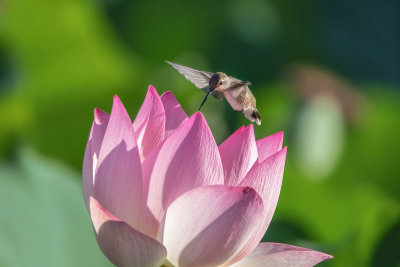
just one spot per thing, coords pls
(266, 179)
(208, 225)
(174, 113)
(238, 154)
(269, 145)
(118, 179)
(149, 124)
(122, 244)
(187, 159)
(96, 136)
(275, 254)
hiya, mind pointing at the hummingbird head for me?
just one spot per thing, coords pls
(218, 81)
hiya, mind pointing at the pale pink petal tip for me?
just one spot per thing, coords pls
(168, 94)
(122, 244)
(269, 145)
(116, 99)
(100, 117)
(169, 101)
(198, 120)
(152, 89)
(240, 129)
(276, 254)
(238, 154)
(174, 114)
(199, 114)
(118, 107)
(149, 124)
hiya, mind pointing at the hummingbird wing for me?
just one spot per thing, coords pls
(198, 77)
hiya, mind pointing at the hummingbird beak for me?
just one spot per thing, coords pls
(202, 103)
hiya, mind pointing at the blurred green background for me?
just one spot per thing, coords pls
(325, 72)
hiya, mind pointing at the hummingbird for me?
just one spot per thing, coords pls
(220, 85)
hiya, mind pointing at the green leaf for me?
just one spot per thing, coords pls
(44, 220)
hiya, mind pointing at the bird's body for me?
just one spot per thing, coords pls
(220, 85)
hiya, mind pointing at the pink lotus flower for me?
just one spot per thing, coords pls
(160, 190)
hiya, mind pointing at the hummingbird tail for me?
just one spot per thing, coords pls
(256, 116)
(253, 115)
